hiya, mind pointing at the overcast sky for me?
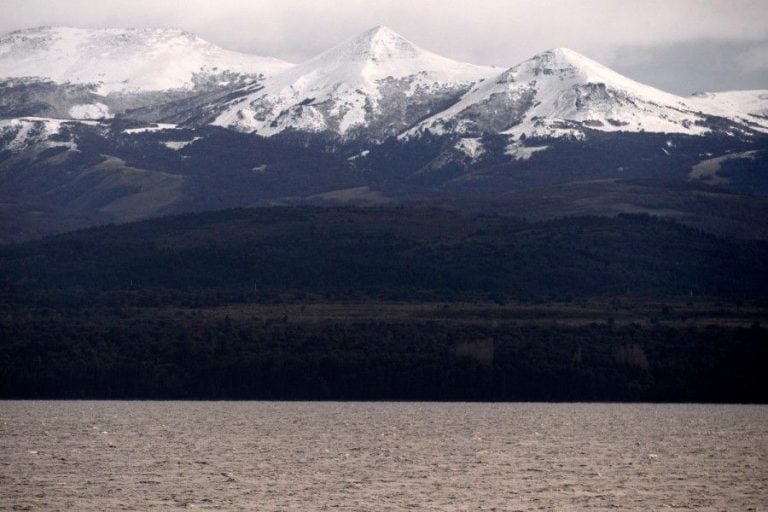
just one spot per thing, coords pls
(678, 45)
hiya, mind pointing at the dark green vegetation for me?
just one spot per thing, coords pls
(190, 354)
(387, 253)
(390, 303)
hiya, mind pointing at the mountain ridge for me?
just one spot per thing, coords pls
(79, 73)
(122, 59)
(353, 84)
(557, 92)
(370, 86)
(374, 120)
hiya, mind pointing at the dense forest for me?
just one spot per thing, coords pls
(385, 303)
(109, 355)
(387, 253)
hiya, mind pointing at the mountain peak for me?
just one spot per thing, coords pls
(379, 43)
(562, 59)
(378, 53)
(560, 92)
(379, 30)
(566, 53)
(565, 65)
(353, 85)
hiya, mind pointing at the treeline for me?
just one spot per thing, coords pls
(387, 253)
(191, 356)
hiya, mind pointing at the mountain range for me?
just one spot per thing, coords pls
(111, 125)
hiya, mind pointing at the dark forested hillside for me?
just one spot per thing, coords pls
(388, 303)
(390, 253)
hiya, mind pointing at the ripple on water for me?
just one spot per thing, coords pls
(381, 456)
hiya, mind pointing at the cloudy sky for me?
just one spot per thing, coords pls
(678, 45)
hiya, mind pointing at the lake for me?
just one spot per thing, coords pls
(77, 455)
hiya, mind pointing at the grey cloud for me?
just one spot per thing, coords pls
(754, 59)
(703, 65)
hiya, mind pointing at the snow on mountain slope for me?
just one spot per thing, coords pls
(377, 82)
(560, 93)
(126, 60)
(371, 86)
(745, 104)
(37, 132)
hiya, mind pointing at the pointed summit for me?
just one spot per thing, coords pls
(563, 62)
(560, 92)
(379, 53)
(355, 86)
(381, 43)
(380, 29)
(570, 66)
(377, 44)
(567, 59)
(566, 54)
(378, 33)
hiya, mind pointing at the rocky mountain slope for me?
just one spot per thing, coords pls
(96, 73)
(750, 106)
(375, 84)
(116, 125)
(563, 93)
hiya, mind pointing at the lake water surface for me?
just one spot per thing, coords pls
(381, 456)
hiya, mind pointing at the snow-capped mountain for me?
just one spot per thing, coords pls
(367, 88)
(561, 93)
(125, 60)
(94, 73)
(65, 162)
(377, 83)
(748, 105)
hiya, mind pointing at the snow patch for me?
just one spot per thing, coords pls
(472, 147)
(520, 152)
(179, 144)
(90, 111)
(750, 107)
(33, 131)
(154, 128)
(753, 102)
(362, 154)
